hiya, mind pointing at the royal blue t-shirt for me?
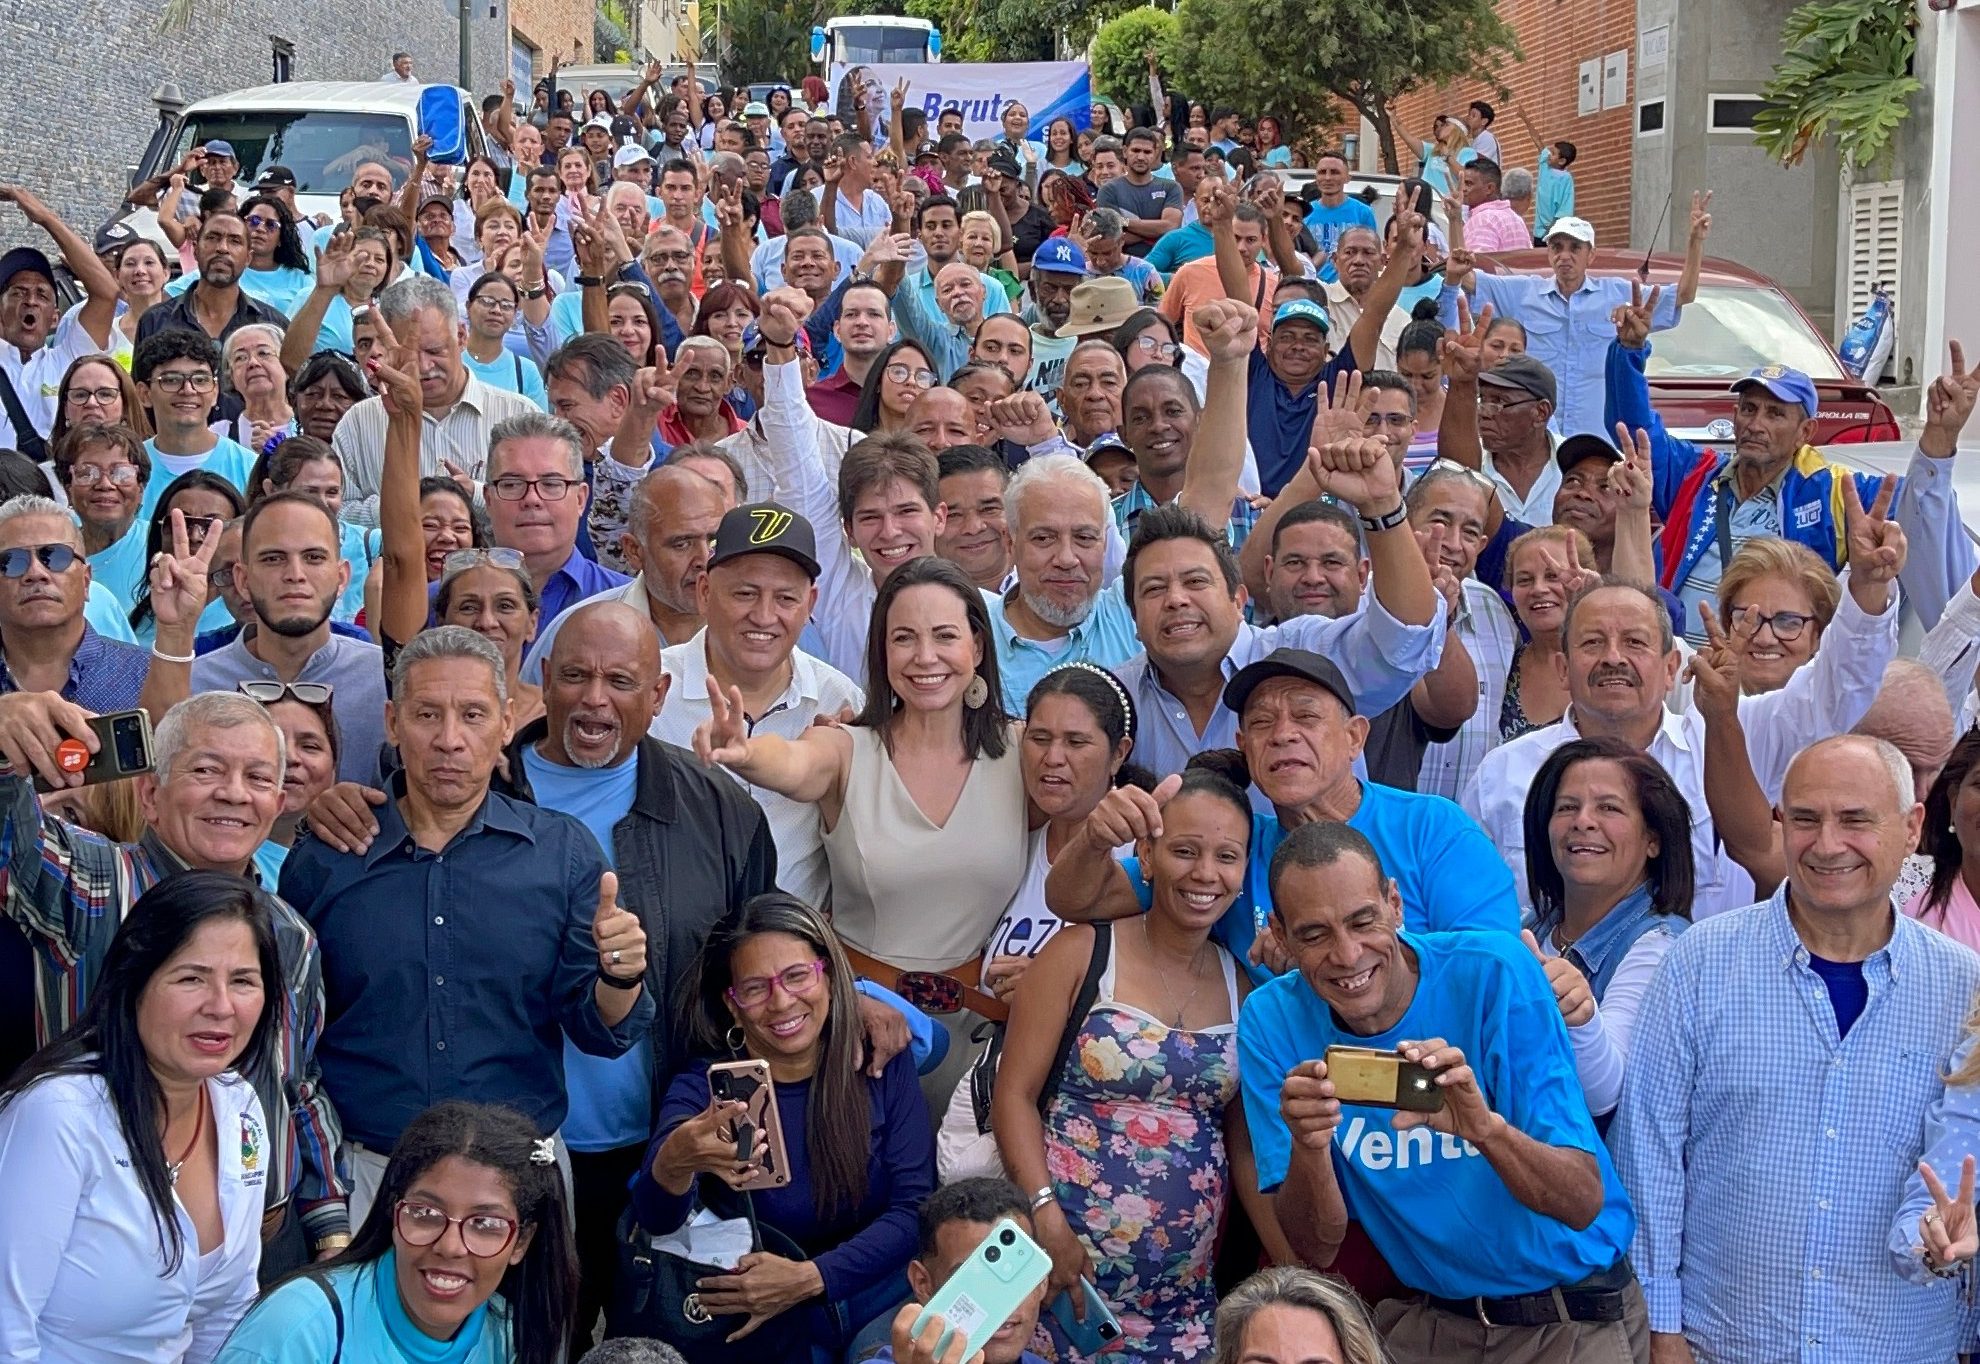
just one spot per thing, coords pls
(1280, 421)
(1432, 1204)
(1848, 990)
(1327, 224)
(611, 1096)
(1451, 878)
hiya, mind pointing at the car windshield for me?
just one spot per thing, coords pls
(1730, 330)
(880, 43)
(322, 146)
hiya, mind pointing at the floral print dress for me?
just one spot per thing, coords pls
(1134, 1142)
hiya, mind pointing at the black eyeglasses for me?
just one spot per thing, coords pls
(551, 489)
(199, 381)
(309, 693)
(99, 397)
(14, 563)
(1786, 625)
(485, 1235)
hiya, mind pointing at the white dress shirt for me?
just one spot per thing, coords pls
(1825, 696)
(82, 1276)
(815, 689)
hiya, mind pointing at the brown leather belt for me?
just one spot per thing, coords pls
(965, 977)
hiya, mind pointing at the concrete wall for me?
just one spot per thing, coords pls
(1777, 220)
(93, 74)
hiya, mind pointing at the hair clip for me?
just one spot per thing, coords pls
(543, 1151)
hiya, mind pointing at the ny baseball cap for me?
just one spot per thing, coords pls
(276, 177)
(1789, 385)
(1301, 310)
(1060, 256)
(1301, 663)
(221, 147)
(765, 528)
(632, 154)
(1580, 229)
(1585, 446)
(1526, 374)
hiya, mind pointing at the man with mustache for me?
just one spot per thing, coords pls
(214, 304)
(31, 367)
(1620, 660)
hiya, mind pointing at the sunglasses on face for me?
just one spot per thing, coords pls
(14, 563)
(258, 223)
(268, 693)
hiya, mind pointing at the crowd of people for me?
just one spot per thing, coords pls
(741, 693)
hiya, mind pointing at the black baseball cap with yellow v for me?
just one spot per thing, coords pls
(766, 528)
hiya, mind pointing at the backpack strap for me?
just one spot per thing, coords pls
(336, 1311)
(27, 440)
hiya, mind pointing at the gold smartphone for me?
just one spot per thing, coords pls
(758, 1134)
(1381, 1079)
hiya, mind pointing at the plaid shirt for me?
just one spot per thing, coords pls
(68, 890)
(1486, 629)
(104, 674)
(1129, 506)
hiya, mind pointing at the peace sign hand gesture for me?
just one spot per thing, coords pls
(724, 736)
(1631, 480)
(397, 379)
(1877, 544)
(1948, 404)
(178, 575)
(1701, 217)
(1632, 319)
(897, 98)
(1946, 1232)
(1714, 671)
(1463, 349)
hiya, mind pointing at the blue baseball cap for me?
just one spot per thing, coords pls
(1060, 256)
(1301, 310)
(221, 147)
(1789, 385)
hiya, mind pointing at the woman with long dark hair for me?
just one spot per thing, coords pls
(278, 272)
(899, 374)
(1608, 862)
(773, 984)
(133, 1153)
(1952, 840)
(208, 502)
(465, 1256)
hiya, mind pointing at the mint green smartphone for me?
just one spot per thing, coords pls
(992, 1283)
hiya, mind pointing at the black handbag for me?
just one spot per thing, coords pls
(657, 1294)
(983, 1070)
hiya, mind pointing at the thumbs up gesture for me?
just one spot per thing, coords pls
(620, 936)
(1571, 992)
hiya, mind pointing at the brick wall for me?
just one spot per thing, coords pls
(1555, 37)
(552, 26)
(92, 72)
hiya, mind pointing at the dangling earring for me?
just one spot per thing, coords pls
(735, 1037)
(976, 693)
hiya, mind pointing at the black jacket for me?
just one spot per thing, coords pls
(693, 847)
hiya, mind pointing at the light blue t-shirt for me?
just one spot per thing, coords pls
(268, 860)
(103, 615)
(1326, 224)
(295, 1324)
(511, 373)
(229, 459)
(611, 1097)
(360, 547)
(1432, 1204)
(1449, 875)
(284, 288)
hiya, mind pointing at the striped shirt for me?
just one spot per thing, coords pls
(68, 889)
(1129, 506)
(1485, 628)
(1767, 1154)
(460, 435)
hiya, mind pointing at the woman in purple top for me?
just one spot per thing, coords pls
(773, 984)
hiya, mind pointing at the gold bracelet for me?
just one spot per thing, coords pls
(336, 1240)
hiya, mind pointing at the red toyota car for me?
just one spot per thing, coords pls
(1739, 321)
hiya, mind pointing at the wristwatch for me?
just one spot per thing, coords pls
(1388, 520)
(591, 281)
(538, 292)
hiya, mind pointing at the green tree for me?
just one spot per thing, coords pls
(1119, 53)
(1274, 56)
(760, 40)
(1844, 74)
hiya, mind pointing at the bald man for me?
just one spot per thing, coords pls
(1860, 1009)
(942, 417)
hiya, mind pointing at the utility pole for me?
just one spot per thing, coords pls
(467, 44)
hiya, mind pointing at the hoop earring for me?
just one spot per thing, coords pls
(735, 1037)
(976, 693)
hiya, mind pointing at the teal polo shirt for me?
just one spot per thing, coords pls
(1106, 637)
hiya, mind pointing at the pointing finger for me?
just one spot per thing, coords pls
(1958, 359)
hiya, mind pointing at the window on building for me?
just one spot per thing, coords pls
(285, 60)
(1649, 117)
(1876, 236)
(1735, 113)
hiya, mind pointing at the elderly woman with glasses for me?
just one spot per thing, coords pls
(1775, 600)
(837, 1184)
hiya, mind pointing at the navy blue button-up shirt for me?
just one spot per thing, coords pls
(456, 975)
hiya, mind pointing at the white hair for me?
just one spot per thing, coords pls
(210, 710)
(1517, 183)
(267, 330)
(31, 504)
(1050, 470)
(696, 344)
(412, 295)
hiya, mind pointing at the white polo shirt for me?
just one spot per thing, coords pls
(81, 1275)
(816, 689)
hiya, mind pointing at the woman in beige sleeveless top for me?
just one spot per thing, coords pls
(922, 796)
